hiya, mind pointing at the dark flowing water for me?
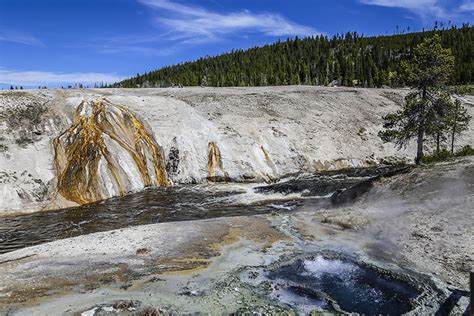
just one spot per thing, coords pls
(154, 205)
(181, 203)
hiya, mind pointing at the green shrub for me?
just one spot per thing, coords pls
(437, 156)
(445, 154)
(462, 89)
(465, 151)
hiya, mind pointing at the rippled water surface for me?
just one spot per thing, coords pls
(178, 203)
(175, 203)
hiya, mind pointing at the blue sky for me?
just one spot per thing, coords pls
(56, 42)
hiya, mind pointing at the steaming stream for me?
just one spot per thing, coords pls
(178, 203)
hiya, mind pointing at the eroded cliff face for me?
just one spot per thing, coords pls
(107, 151)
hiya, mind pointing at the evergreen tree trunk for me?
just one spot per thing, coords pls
(454, 129)
(419, 151)
(438, 136)
(421, 132)
(452, 142)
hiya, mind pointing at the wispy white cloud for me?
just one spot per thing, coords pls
(427, 9)
(467, 7)
(408, 4)
(20, 38)
(33, 78)
(192, 24)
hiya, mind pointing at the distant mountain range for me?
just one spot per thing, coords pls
(347, 60)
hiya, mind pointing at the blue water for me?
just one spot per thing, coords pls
(355, 288)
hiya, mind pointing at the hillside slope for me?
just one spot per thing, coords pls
(350, 60)
(207, 134)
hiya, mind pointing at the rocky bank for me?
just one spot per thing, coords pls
(413, 227)
(118, 141)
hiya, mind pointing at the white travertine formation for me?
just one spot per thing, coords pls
(261, 133)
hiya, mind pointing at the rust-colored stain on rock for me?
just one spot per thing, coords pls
(87, 154)
(215, 169)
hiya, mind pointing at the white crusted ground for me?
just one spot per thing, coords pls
(262, 132)
(417, 223)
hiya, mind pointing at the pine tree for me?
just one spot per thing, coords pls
(349, 59)
(441, 108)
(457, 120)
(427, 71)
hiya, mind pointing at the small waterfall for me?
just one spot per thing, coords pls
(106, 152)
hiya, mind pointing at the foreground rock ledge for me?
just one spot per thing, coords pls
(417, 224)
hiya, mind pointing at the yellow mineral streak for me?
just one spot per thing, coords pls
(80, 149)
(214, 159)
(215, 171)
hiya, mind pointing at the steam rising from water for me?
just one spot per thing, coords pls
(355, 288)
(164, 204)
